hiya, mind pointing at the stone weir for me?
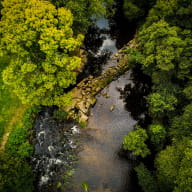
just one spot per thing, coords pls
(83, 95)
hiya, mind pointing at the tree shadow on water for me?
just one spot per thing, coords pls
(134, 95)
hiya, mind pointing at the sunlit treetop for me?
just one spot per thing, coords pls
(43, 50)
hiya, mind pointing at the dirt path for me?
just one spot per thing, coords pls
(14, 119)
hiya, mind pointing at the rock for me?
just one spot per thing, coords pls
(82, 107)
(112, 107)
(82, 117)
(76, 93)
(97, 89)
(92, 100)
(88, 89)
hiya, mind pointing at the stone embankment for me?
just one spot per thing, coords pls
(83, 95)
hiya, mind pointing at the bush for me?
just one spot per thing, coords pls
(17, 144)
(135, 142)
(15, 174)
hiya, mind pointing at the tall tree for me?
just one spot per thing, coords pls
(39, 39)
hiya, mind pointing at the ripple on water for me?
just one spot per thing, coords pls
(55, 144)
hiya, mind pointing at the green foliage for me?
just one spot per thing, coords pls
(131, 10)
(176, 12)
(135, 142)
(15, 174)
(146, 179)
(43, 61)
(165, 42)
(174, 164)
(136, 9)
(159, 104)
(166, 164)
(183, 180)
(84, 11)
(85, 186)
(8, 101)
(157, 135)
(59, 114)
(83, 124)
(162, 46)
(17, 144)
(182, 125)
(29, 115)
(134, 55)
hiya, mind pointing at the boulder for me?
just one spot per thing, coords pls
(112, 107)
(82, 117)
(82, 107)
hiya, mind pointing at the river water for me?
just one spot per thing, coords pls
(99, 163)
(119, 107)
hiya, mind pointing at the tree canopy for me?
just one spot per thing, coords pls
(85, 11)
(165, 54)
(40, 41)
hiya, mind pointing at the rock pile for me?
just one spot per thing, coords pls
(83, 95)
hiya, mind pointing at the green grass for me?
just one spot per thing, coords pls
(8, 101)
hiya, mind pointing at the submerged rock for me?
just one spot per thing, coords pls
(112, 107)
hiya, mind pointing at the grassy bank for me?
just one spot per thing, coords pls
(9, 103)
(16, 122)
(15, 172)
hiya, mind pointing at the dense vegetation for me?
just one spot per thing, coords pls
(15, 172)
(165, 54)
(8, 102)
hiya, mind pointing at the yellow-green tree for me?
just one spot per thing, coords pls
(40, 41)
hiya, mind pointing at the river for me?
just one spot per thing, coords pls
(119, 107)
(99, 163)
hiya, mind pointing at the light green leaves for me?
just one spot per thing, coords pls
(40, 41)
(135, 142)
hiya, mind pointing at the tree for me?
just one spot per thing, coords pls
(174, 164)
(84, 11)
(175, 12)
(167, 162)
(183, 180)
(43, 51)
(146, 179)
(162, 47)
(182, 125)
(135, 142)
(136, 9)
(15, 174)
(157, 135)
(161, 103)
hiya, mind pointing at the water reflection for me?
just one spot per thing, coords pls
(99, 162)
(134, 95)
